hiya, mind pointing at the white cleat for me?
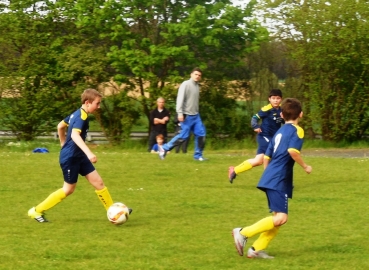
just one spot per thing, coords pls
(239, 240)
(258, 254)
(162, 154)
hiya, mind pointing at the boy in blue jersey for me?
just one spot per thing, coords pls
(276, 181)
(271, 122)
(159, 144)
(75, 157)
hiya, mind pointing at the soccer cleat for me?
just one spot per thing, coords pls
(201, 159)
(130, 210)
(231, 174)
(162, 154)
(239, 240)
(251, 253)
(37, 216)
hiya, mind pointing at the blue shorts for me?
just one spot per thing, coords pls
(277, 201)
(74, 166)
(263, 142)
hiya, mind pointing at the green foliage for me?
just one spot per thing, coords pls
(117, 116)
(329, 42)
(156, 43)
(227, 117)
(28, 114)
(46, 64)
(63, 47)
(183, 214)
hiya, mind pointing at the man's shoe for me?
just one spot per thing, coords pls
(35, 215)
(231, 174)
(201, 159)
(251, 253)
(239, 240)
(162, 154)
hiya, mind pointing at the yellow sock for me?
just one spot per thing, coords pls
(263, 225)
(244, 166)
(52, 200)
(104, 197)
(264, 239)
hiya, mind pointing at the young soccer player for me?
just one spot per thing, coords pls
(75, 157)
(276, 181)
(271, 122)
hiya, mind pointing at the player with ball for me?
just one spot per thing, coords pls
(76, 157)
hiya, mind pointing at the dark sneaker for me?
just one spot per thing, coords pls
(251, 253)
(239, 240)
(35, 215)
(231, 174)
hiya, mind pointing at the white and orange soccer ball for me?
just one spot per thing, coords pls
(118, 213)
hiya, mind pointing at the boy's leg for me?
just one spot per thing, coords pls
(264, 239)
(278, 203)
(52, 200)
(240, 235)
(100, 189)
(262, 225)
(70, 173)
(104, 197)
(250, 163)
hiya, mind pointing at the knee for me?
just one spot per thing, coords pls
(279, 220)
(68, 190)
(99, 185)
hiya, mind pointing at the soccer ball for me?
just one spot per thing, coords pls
(118, 213)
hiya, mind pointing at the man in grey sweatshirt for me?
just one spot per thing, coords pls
(188, 115)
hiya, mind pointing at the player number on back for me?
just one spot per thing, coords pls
(277, 140)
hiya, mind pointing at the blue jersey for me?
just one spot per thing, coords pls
(278, 175)
(271, 120)
(77, 121)
(157, 148)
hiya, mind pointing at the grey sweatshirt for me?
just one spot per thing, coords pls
(188, 98)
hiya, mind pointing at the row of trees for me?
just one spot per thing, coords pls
(138, 50)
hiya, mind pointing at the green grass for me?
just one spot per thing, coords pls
(184, 212)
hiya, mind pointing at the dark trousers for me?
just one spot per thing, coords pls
(183, 146)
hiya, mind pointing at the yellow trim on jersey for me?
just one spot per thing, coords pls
(83, 114)
(267, 107)
(77, 129)
(294, 150)
(300, 131)
(66, 123)
(266, 157)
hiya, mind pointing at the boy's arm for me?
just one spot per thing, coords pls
(266, 161)
(62, 126)
(255, 123)
(76, 137)
(298, 159)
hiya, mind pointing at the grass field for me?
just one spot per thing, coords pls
(184, 212)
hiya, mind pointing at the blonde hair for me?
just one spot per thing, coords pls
(90, 95)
